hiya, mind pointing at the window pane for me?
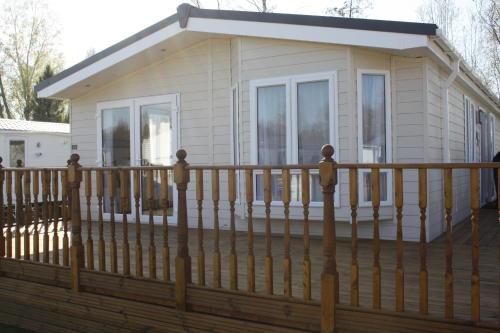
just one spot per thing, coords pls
(236, 159)
(312, 120)
(373, 117)
(17, 151)
(157, 147)
(271, 125)
(115, 149)
(116, 137)
(367, 186)
(276, 187)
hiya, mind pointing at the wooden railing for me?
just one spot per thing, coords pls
(26, 220)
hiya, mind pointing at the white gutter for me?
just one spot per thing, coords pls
(446, 109)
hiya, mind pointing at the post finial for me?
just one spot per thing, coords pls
(327, 152)
(181, 155)
(19, 163)
(74, 158)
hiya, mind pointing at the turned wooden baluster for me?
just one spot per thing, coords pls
(250, 255)
(376, 274)
(112, 222)
(65, 212)
(46, 214)
(90, 241)
(199, 231)
(138, 241)
(8, 235)
(233, 259)
(268, 260)
(152, 246)
(423, 276)
(19, 213)
(36, 216)
(101, 244)
(216, 253)
(27, 213)
(306, 200)
(329, 275)
(287, 262)
(164, 204)
(124, 197)
(55, 215)
(353, 200)
(2, 212)
(400, 286)
(448, 275)
(475, 205)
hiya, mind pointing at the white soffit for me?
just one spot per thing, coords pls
(112, 59)
(366, 38)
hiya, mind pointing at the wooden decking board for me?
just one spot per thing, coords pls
(135, 316)
(222, 304)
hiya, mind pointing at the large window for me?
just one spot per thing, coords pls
(374, 131)
(292, 118)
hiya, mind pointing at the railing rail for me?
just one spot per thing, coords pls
(228, 194)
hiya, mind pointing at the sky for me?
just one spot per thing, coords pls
(97, 24)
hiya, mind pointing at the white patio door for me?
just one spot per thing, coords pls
(156, 142)
(138, 132)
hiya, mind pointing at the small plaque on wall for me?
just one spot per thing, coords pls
(74, 147)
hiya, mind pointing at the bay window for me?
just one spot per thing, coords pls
(374, 132)
(292, 118)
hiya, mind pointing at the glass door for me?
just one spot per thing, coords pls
(114, 120)
(156, 144)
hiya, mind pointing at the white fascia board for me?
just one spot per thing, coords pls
(112, 59)
(366, 38)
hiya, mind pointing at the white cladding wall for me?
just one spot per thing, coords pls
(41, 149)
(203, 75)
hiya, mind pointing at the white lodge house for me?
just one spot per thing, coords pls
(257, 88)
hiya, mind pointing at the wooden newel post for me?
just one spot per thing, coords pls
(329, 277)
(77, 257)
(182, 260)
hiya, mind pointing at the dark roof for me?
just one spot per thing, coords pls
(185, 11)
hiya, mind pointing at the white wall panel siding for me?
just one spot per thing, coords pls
(204, 74)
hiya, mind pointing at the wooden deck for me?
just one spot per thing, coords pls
(261, 291)
(489, 267)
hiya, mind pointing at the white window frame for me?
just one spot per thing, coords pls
(470, 119)
(235, 135)
(134, 128)
(235, 119)
(388, 134)
(122, 103)
(17, 138)
(290, 83)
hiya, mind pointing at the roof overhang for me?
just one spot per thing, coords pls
(191, 25)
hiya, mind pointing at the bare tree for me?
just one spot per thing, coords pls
(28, 45)
(196, 3)
(487, 13)
(442, 13)
(350, 8)
(262, 6)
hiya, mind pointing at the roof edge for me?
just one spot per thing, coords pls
(104, 53)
